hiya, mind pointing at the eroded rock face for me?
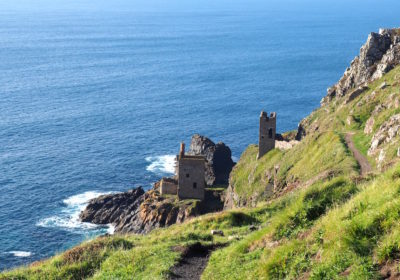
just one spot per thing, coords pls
(285, 145)
(369, 125)
(219, 159)
(305, 127)
(379, 55)
(109, 209)
(385, 134)
(233, 200)
(136, 211)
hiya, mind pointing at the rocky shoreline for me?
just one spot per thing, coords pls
(137, 211)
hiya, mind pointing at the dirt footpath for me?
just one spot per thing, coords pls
(362, 161)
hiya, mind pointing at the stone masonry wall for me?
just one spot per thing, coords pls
(191, 183)
(267, 133)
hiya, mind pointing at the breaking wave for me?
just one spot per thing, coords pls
(20, 254)
(68, 216)
(161, 164)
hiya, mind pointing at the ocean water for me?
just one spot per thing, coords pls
(97, 101)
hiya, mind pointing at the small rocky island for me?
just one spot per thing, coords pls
(137, 211)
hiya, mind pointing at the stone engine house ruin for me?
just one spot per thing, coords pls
(190, 177)
(189, 181)
(267, 133)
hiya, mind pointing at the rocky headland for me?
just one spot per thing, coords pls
(379, 55)
(327, 199)
(137, 211)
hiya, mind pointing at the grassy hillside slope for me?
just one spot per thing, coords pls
(319, 156)
(322, 220)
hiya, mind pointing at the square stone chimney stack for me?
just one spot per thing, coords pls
(182, 150)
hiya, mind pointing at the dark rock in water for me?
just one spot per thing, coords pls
(111, 208)
(219, 159)
(138, 212)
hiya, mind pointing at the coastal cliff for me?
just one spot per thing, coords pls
(379, 55)
(365, 102)
(327, 207)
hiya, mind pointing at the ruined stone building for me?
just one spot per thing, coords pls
(190, 177)
(168, 186)
(267, 133)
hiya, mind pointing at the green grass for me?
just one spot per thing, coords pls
(152, 256)
(298, 213)
(313, 157)
(333, 117)
(356, 231)
(329, 226)
(250, 177)
(362, 142)
(323, 231)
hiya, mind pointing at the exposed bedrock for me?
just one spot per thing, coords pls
(379, 55)
(136, 211)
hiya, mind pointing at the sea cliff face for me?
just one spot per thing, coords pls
(379, 55)
(320, 214)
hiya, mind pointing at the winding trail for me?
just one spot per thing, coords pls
(194, 261)
(361, 159)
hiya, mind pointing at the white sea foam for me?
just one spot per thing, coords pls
(82, 199)
(20, 254)
(110, 229)
(161, 164)
(68, 216)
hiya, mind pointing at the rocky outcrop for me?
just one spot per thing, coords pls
(219, 159)
(355, 93)
(285, 145)
(369, 125)
(233, 200)
(111, 208)
(385, 134)
(136, 211)
(379, 55)
(306, 127)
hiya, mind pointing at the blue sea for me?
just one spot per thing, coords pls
(95, 98)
